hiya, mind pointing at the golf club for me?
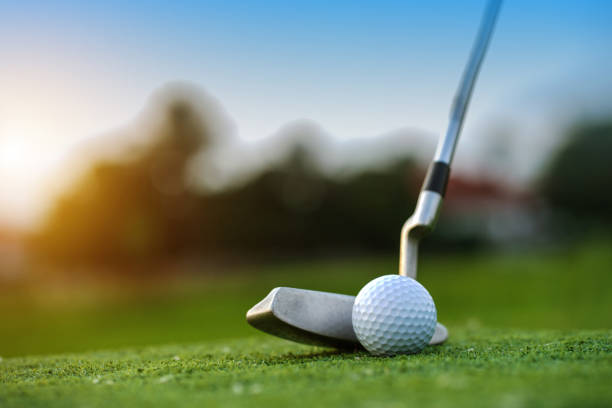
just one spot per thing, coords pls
(323, 318)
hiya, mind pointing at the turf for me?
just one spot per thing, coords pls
(476, 368)
(537, 289)
(551, 348)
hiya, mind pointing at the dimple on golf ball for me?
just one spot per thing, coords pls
(394, 314)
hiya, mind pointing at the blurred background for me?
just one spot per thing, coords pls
(164, 165)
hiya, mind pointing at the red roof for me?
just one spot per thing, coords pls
(464, 193)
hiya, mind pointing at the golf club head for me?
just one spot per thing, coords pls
(313, 317)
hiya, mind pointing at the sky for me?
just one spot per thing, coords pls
(73, 71)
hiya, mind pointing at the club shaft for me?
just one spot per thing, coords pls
(439, 170)
(447, 144)
(430, 199)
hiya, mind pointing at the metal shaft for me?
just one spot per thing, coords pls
(431, 196)
(447, 144)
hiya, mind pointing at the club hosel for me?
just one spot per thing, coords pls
(424, 217)
(419, 224)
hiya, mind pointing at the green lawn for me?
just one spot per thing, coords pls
(552, 289)
(477, 368)
(527, 329)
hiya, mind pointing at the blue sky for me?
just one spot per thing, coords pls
(74, 70)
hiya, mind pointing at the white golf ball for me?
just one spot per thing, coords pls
(394, 314)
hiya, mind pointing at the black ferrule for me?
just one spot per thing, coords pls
(437, 178)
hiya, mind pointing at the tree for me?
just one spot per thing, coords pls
(578, 180)
(133, 208)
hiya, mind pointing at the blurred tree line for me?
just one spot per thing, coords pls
(578, 180)
(143, 208)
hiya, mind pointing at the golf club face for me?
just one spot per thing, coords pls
(314, 318)
(306, 316)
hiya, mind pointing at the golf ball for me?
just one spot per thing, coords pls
(394, 314)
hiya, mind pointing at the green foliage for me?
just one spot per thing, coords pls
(294, 209)
(478, 368)
(579, 178)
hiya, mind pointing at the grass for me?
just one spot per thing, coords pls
(527, 329)
(552, 289)
(477, 368)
